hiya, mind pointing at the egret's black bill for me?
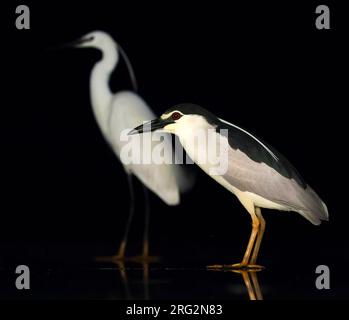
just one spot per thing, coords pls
(71, 44)
(151, 126)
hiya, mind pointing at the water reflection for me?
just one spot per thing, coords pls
(249, 279)
(125, 281)
(251, 282)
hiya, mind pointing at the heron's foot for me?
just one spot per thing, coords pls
(236, 266)
(247, 267)
(144, 259)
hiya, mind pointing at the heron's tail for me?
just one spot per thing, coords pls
(313, 208)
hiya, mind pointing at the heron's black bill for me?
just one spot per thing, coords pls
(151, 126)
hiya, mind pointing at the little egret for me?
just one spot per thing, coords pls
(115, 112)
(256, 173)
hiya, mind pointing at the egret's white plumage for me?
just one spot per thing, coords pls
(127, 110)
(123, 110)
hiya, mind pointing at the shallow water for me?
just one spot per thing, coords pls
(91, 280)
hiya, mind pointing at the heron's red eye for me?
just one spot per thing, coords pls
(175, 115)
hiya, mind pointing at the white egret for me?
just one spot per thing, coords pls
(115, 112)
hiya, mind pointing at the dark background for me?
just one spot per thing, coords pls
(64, 195)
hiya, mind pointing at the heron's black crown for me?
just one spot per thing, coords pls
(190, 108)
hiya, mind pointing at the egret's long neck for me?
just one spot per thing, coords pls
(101, 94)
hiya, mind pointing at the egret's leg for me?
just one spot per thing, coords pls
(259, 237)
(146, 223)
(121, 252)
(122, 248)
(144, 257)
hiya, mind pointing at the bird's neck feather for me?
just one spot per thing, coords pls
(101, 95)
(189, 126)
(190, 131)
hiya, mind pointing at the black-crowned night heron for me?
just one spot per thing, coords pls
(256, 173)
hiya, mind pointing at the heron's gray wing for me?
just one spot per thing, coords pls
(261, 179)
(260, 151)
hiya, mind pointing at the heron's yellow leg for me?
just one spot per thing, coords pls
(251, 242)
(245, 264)
(259, 237)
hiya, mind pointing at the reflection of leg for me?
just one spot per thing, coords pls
(257, 288)
(122, 248)
(146, 223)
(260, 236)
(249, 287)
(253, 288)
(124, 278)
(146, 280)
